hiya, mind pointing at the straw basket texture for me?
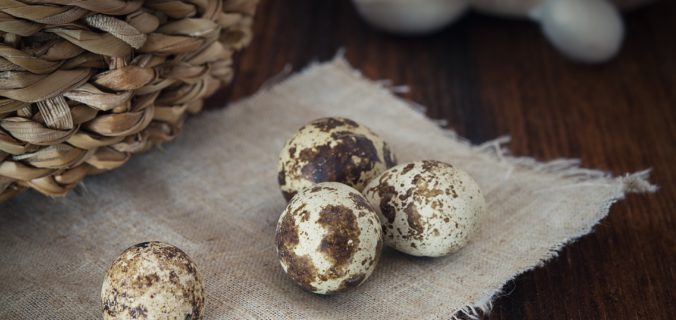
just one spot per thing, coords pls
(84, 84)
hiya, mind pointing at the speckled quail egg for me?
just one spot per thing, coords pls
(332, 150)
(152, 280)
(328, 238)
(427, 208)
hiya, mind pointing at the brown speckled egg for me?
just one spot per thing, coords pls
(328, 238)
(427, 208)
(332, 150)
(152, 280)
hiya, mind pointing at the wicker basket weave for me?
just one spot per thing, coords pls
(84, 84)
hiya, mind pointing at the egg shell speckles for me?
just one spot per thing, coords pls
(152, 280)
(328, 238)
(332, 150)
(427, 208)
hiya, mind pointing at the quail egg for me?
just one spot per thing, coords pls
(427, 208)
(152, 280)
(328, 238)
(332, 150)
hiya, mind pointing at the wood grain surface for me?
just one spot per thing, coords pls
(490, 77)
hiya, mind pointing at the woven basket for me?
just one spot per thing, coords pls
(85, 84)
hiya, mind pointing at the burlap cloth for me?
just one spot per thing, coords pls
(213, 193)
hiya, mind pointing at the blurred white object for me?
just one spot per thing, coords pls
(520, 8)
(584, 30)
(411, 16)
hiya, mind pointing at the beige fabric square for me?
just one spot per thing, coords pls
(213, 193)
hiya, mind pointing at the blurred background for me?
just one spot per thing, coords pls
(489, 76)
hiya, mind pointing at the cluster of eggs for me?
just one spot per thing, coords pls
(347, 197)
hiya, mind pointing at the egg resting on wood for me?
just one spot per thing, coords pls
(427, 208)
(332, 150)
(152, 280)
(328, 238)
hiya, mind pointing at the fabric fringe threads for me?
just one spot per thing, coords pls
(86, 85)
(563, 168)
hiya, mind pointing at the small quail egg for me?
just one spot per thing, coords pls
(152, 280)
(328, 238)
(427, 208)
(332, 150)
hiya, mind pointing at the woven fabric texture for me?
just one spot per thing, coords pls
(213, 193)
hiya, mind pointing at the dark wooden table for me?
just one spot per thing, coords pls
(490, 77)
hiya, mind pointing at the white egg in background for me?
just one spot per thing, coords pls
(520, 8)
(584, 30)
(411, 16)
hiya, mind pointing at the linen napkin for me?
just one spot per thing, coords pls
(213, 193)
